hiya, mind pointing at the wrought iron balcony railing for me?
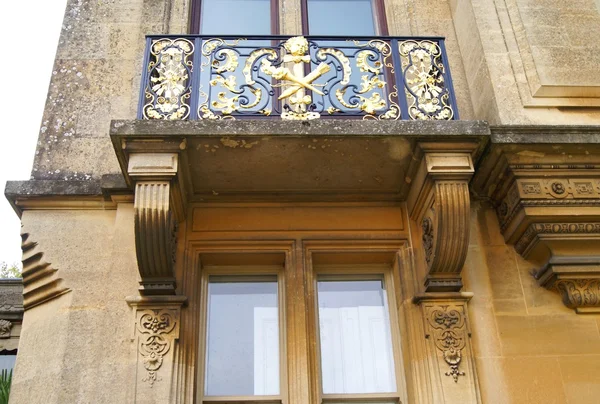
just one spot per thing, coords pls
(197, 77)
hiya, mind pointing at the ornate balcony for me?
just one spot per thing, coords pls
(296, 78)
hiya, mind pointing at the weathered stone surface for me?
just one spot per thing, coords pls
(323, 127)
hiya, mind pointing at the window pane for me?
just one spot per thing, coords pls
(356, 344)
(7, 361)
(341, 17)
(236, 17)
(242, 354)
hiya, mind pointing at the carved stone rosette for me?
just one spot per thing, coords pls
(439, 203)
(547, 200)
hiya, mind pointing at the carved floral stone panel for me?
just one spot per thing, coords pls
(157, 330)
(448, 331)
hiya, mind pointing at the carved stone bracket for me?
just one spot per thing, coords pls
(439, 202)
(547, 199)
(156, 221)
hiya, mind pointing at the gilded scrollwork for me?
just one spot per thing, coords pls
(168, 90)
(426, 91)
(449, 336)
(154, 328)
(339, 55)
(222, 57)
(296, 78)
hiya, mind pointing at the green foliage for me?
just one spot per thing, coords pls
(5, 381)
(12, 271)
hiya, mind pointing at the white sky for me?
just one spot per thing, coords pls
(30, 30)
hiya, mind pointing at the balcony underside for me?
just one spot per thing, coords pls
(260, 160)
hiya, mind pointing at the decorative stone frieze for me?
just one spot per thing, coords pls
(547, 199)
(439, 203)
(40, 280)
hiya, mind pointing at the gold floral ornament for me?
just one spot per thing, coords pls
(425, 89)
(167, 90)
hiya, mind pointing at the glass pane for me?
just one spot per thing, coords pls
(7, 361)
(236, 17)
(341, 17)
(356, 343)
(242, 353)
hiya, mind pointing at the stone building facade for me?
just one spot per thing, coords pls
(484, 231)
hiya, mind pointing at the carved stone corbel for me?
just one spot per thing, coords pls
(156, 201)
(547, 200)
(439, 203)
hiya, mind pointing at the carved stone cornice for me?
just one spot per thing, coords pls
(40, 280)
(154, 175)
(439, 202)
(547, 199)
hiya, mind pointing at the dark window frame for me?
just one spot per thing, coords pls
(378, 11)
(196, 17)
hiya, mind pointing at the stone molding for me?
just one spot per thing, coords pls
(40, 280)
(439, 202)
(547, 199)
(154, 175)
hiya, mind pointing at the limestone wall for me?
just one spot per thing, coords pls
(529, 347)
(96, 78)
(78, 347)
(530, 62)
